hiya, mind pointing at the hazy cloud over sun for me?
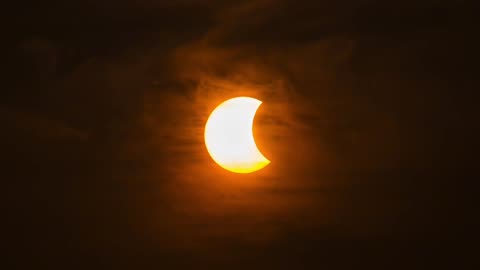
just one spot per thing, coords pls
(105, 103)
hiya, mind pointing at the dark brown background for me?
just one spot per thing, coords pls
(369, 119)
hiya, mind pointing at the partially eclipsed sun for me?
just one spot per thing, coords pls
(229, 136)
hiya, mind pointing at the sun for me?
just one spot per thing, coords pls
(229, 136)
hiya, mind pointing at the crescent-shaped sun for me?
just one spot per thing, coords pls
(229, 136)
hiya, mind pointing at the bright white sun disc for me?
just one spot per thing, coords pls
(229, 136)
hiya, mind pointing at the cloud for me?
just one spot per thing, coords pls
(38, 126)
(296, 82)
(353, 113)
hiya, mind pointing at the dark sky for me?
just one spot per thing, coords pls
(369, 119)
